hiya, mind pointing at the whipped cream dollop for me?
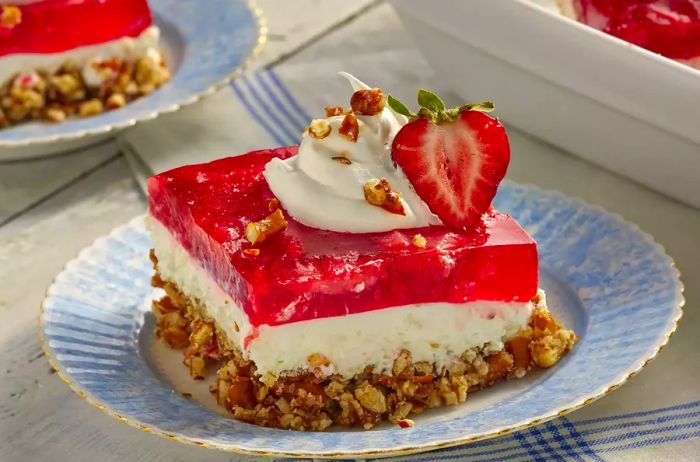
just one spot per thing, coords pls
(323, 193)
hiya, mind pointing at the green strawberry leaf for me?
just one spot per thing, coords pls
(398, 107)
(430, 100)
(433, 108)
(486, 106)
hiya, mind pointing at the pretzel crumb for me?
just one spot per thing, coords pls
(259, 231)
(378, 192)
(319, 128)
(318, 360)
(342, 158)
(10, 16)
(334, 111)
(367, 102)
(349, 127)
(419, 241)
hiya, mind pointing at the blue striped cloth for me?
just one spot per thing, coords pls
(582, 440)
(265, 109)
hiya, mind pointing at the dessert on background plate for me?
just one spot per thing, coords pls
(668, 27)
(64, 58)
(362, 276)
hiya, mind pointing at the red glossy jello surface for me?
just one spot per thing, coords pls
(668, 27)
(304, 273)
(51, 26)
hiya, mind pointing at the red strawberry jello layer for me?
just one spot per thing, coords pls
(306, 273)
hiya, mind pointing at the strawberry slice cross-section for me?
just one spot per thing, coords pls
(454, 158)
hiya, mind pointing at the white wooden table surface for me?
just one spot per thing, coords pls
(51, 208)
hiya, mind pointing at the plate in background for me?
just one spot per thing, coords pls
(206, 47)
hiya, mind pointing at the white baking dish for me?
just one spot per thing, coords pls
(616, 104)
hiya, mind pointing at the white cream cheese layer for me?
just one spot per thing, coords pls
(435, 332)
(323, 193)
(147, 43)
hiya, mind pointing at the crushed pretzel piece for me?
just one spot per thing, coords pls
(252, 252)
(66, 84)
(274, 204)
(10, 16)
(334, 111)
(419, 241)
(259, 231)
(318, 360)
(115, 101)
(368, 102)
(91, 107)
(342, 158)
(319, 128)
(197, 368)
(55, 114)
(349, 127)
(4, 121)
(378, 192)
(405, 423)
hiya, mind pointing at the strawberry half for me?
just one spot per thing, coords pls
(454, 158)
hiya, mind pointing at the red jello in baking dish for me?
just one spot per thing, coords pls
(667, 27)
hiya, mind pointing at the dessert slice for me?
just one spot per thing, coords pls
(668, 27)
(314, 320)
(60, 58)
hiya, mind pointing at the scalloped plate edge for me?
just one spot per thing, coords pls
(630, 372)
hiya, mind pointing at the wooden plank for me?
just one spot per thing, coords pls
(25, 183)
(293, 25)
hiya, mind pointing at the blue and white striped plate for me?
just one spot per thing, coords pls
(604, 277)
(206, 45)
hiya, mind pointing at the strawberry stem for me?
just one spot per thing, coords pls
(433, 108)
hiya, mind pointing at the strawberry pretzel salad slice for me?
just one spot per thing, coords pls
(362, 276)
